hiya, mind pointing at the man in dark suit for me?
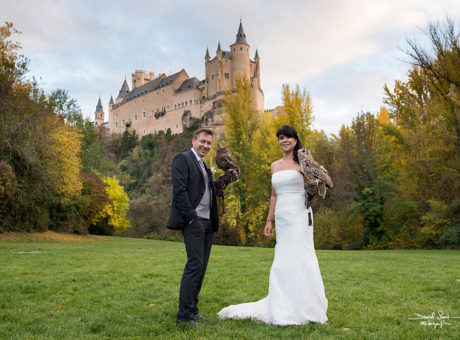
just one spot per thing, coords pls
(194, 211)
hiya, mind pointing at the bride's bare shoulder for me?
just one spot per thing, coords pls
(275, 165)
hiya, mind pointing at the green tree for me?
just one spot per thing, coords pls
(65, 106)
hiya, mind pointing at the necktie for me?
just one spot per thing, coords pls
(203, 169)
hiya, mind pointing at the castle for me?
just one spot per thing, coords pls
(171, 102)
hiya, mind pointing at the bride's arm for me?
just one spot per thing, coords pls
(271, 214)
(271, 210)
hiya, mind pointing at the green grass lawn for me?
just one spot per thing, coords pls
(128, 288)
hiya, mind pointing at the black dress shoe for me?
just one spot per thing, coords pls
(189, 321)
(200, 317)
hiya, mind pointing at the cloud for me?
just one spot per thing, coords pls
(342, 52)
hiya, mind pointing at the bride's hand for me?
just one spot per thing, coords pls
(268, 229)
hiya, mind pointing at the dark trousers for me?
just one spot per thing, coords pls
(198, 238)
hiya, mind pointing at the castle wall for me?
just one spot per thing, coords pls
(157, 110)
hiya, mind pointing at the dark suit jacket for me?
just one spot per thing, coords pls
(188, 189)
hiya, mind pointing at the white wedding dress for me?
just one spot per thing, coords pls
(296, 291)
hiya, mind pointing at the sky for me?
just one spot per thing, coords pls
(341, 52)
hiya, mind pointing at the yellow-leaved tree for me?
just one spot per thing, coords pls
(63, 163)
(242, 123)
(114, 213)
(297, 111)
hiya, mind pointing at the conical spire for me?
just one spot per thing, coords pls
(124, 90)
(111, 101)
(219, 49)
(99, 107)
(240, 36)
(257, 54)
(207, 54)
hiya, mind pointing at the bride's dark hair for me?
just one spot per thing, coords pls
(290, 132)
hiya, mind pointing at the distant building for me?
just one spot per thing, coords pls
(171, 102)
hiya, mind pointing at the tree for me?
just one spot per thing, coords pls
(297, 111)
(241, 125)
(65, 106)
(441, 66)
(41, 148)
(114, 213)
(127, 143)
(63, 162)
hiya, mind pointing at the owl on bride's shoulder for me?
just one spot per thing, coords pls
(314, 172)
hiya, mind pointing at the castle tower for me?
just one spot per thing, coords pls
(257, 93)
(219, 73)
(99, 113)
(240, 55)
(257, 71)
(123, 92)
(110, 105)
(139, 78)
(219, 51)
(207, 58)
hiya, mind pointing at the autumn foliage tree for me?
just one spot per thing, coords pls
(41, 181)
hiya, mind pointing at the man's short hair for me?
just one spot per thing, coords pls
(207, 131)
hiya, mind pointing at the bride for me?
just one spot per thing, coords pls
(296, 291)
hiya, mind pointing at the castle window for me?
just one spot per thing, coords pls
(227, 75)
(190, 102)
(144, 132)
(177, 126)
(116, 124)
(241, 48)
(186, 103)
(144, 114)
(135, 117)
(234, 49)
(123, 122)
(213, 77)
(174, 106)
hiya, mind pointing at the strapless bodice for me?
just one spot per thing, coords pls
(288, 182)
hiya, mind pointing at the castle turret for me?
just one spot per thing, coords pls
(240, 55)
(99, 113)
(207, 57)
(111, 104)
(219, 50)
(123, 92)
(139, 78)
(257, 70)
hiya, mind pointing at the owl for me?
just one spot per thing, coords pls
(224, 160)
(227, 178)
(318, 177)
